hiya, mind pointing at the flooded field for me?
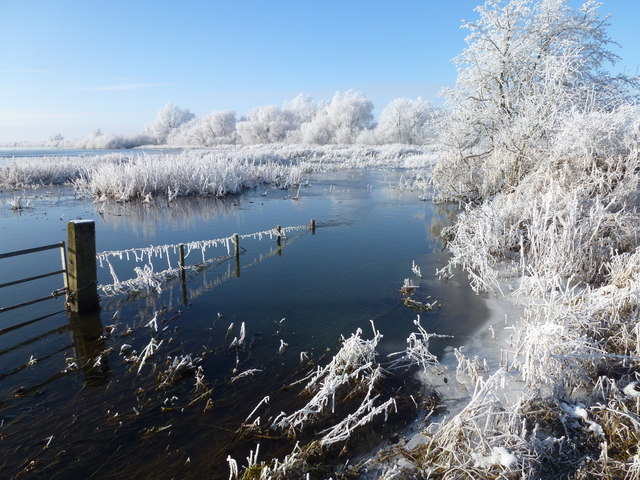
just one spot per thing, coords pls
(74, 402)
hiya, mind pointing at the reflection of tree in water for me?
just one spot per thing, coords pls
(444, 216)
(183, 213)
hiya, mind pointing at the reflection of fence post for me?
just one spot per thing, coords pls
(313, 227)
(83, 283)
(89, 344)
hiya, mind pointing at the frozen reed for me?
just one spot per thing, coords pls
(217, 172)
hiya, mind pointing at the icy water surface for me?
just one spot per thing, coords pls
(9, 153)
(106, 420)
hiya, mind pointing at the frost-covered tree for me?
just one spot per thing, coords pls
(216, 128)
(268, 124)
(302, 108)
(56, 140)
(406, 121)
(319, 130)
(168, 119)
(527, 62)
(350, 113)
(339, 121)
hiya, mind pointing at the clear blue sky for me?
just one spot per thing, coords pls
(73, 66)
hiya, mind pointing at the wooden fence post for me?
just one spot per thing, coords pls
(313, 227)
(236, 245)
(183, 278)
(181, 257)
(236, 251)
(278, 234)
(81, 266)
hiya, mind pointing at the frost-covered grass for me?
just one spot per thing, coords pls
(216, 172)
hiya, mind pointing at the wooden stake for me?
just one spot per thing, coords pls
(81, 266)
(181, 259)
(236, 244)
(183, 278)
(278, 234)
(313, 227)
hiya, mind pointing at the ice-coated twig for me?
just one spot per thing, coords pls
(416, 269)
(363, 415)
(238, 342)
(148, 351)
(246, 373)
(153, 323)
(252, 459)
(417, 351)
(233, 467)
(265, 400)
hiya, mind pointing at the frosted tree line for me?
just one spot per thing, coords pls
(346, 119)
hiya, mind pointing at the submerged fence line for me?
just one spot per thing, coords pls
(148, 279)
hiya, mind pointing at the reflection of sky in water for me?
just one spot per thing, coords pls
(324, 285)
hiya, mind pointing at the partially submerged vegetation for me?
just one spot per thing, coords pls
(224, 170)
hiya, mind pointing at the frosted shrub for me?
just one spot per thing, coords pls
(417, 351)
(44, 171)
(545, 227)
(545, 150)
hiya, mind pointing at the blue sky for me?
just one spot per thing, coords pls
(73, 66)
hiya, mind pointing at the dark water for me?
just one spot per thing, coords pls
(104, 420)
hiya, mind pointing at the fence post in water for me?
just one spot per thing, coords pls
(236, 244)
(236, 250)
(313, 227)
(278, 234)
(181, 259)
(81, 266)
(183, 280)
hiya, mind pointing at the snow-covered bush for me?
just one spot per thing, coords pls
(406, 121)
(216, 128)
(268, 124)
(167, 121)
(99, 140)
